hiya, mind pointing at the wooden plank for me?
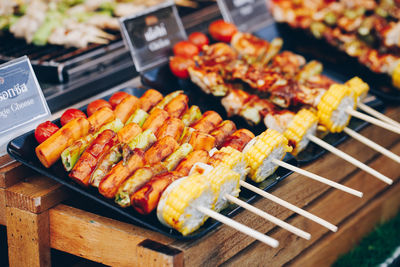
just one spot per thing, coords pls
(13, 173)
(333, 206)
(326, 251)
(28, 238)
(224, 243)
(2, 207)
(108, 241)
(35, 194)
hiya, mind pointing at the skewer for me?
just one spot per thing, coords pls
(377, 114)
(372, 120)
(318, 178)
(269, 217)
(289, 206)
(239, 227)
(350, 159)
(372, 144)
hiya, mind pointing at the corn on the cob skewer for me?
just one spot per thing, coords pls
(225, 185)
(231, 163)
(255, 165)
(181, 200)
(360, 89)
(270, 144)
(332, 109)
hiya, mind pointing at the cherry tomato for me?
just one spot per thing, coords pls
(199, 39)
(97, 104)
(222, 31)
(179, 66)
(116, 98)
(71, 114)
(185, 49)
(45, 130)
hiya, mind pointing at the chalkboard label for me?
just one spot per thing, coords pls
(247, 15)
(21, 99)
(151, 35)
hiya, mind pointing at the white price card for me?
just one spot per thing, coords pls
(247, 15)
(22, 104)
(150, 35)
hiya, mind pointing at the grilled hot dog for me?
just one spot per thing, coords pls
(89, 159)
(160, 150)
(207, 122)
(126, 108)
(238, 139)
(223, 130)
(150, 99)
(108, 187)
(50, 150)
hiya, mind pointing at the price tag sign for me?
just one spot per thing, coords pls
(151, 35)
(22, 104)
(247, 15)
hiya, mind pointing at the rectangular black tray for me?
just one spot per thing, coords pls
(162, 79)
(22, 149)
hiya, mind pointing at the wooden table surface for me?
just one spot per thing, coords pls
(36, 221)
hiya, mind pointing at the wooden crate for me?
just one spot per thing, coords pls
(36, 222)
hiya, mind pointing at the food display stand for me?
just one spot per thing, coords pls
(37, 219)
(41, 214)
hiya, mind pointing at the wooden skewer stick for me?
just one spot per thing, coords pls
(372, 144)
(290, 206)
(372, 120)
(377, 114)
(318, 178)
(350, 159)
(239, 227)
(269, 217)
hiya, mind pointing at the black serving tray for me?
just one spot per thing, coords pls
(22, 149)
(162, 79)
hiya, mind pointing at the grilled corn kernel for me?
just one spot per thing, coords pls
(303, 123)
(332, 107)
(177, 207)
(269, 143)
(233, 159)
(223, 181)
(358, 87)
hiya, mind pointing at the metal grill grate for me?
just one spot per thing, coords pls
(56, 63)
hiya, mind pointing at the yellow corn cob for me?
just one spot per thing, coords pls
(260, 151)
(223, 181)
(176, 203)
(396, 76)
(231, 158)
(329, 103)
(301, 123)
(358, 87)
